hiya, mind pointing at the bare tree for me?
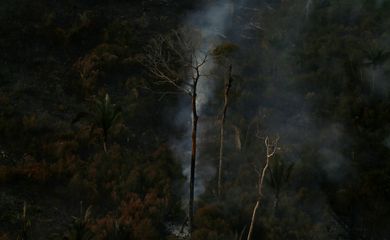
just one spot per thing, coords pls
(176, 60)
(271, 147)
(223, 54)
(222, 130)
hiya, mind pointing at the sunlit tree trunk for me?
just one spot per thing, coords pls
(270, 151)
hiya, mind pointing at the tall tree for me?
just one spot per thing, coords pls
(271, 147)
(223, 55)
(176, 60)
(222, 126)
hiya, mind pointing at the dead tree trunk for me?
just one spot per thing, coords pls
(224, 110)
(270, 151)
(188, 61)
(193, 150)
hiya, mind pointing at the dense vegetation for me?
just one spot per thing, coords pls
(86, 136)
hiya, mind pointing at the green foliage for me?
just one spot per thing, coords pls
(375, 56)
(104, 115)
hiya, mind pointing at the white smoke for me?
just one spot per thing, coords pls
(211, 22)
(332, 161)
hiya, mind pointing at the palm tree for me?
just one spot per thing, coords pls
(104, 116)
(78, 229)
(375, 57)
(25, 224)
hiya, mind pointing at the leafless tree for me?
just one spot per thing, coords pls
(228, 86)
(176, 60)
(224, 55)
(271, 147)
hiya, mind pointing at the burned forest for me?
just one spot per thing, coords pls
(201, 120)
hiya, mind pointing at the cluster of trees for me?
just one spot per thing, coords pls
(311, 81)
(83, 147)
(298, 137)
